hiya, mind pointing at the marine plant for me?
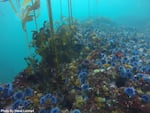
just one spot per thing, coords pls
(77, 83)
(26, 10)
(30, 7)
(54, 52)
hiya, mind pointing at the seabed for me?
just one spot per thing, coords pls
(90, 66)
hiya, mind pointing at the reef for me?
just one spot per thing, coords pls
(92, 66)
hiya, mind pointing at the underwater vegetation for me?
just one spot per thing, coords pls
(94, 66)
(26, 10)
(31, 10)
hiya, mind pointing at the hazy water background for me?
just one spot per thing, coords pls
(13, 45)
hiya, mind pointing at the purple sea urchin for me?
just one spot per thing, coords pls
(130, 91)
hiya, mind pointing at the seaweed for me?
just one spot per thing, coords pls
(55, 52)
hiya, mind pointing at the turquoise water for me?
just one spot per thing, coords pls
(13, 43)
(96, 62)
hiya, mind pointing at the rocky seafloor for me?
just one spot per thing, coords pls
(106, 69)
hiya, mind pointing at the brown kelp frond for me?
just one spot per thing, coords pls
(25, 2)
(24, 20)
(29, 14)
(13, 7)
(35, 5)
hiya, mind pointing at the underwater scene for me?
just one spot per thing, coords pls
(74, 56)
